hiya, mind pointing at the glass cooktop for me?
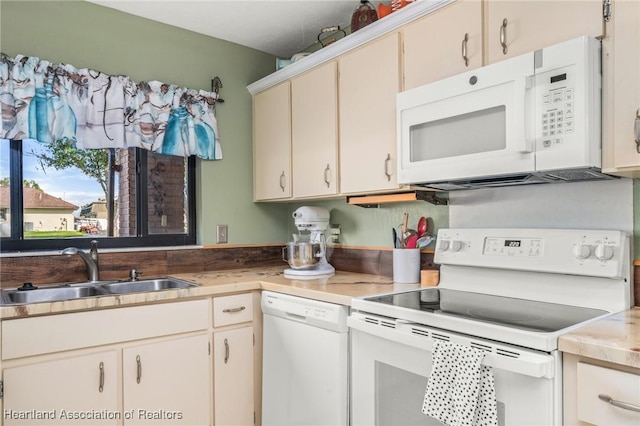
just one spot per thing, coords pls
(506, 311)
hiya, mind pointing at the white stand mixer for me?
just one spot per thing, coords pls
(307, 256)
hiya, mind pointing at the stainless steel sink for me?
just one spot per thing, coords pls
(146, 285)
(89, 289)
(49, 294)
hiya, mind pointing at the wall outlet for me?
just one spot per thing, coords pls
(222, 234)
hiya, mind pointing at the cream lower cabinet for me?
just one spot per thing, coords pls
(56, 392)
(368, 82)
(443, 43)
(127, 366)
(272, 143)
(600, 393)
(233, 376)
(517, 27)
(314, 120)
(167, 382)
(234, 372)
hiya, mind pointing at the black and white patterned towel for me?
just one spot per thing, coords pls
(460, 390)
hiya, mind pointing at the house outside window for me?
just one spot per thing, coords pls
(122, 197)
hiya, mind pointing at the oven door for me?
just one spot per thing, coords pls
(470, 125)
(391, 361)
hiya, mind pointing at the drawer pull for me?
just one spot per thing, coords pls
(101, 387)
(282, 181)
(231, 310)
(226, 351)
(139, 371)
(503, 36)
(619, 404)
(465, 56)
(326, 175)
(386, 167)
(636, 130)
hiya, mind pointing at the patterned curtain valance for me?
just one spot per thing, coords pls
(49, 102)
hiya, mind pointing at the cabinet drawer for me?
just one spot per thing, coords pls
(620, 386)
(47, 334)
(232, 309)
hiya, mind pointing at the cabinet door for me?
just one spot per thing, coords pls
(63, 390)
(434, 45)
(168, 382)
(368, 82)
(534, 24)
(233, 376)
(314, 120)
(621, 90)
(272, 143)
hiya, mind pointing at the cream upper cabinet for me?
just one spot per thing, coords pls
(314, 117)
(443, 43)
(519, 26)
(272, 143)
(369, 79)
(621, 91)
(62, 389)
(169, 378)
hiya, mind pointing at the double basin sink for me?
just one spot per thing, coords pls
(88, 289)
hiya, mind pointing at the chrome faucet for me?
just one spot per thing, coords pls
(90, 260)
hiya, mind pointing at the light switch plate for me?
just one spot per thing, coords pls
(222, 234)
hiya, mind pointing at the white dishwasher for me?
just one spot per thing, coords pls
(304, 362)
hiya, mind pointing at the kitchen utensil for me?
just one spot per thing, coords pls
(412, 241)
(395, 238)
(405, 219)
(306, 254)
(422, 226)
(424, 241)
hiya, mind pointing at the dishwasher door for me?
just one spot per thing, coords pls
(305, 362)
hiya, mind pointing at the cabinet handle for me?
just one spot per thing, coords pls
(282, 181)
(326, 175)
(101, 387)
(465, 40)
(619, 404)
(226, 351)
(139, 373)
(503, 36)
(229, 310)
(386, 167)
(636, 129)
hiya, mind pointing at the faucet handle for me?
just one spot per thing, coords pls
(133, 274)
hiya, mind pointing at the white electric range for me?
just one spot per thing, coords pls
(508, 292)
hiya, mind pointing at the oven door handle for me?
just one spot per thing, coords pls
(502, 357)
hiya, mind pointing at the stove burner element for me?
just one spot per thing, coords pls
(509, 317)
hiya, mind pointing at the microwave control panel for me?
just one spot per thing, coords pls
(558, 105)
(567, 98)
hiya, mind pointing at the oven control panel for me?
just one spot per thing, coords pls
(601, 253)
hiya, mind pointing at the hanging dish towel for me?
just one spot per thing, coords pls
(460, 390)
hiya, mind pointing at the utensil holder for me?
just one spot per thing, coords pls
(406, 265)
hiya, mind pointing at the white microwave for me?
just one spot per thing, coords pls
(534, 118)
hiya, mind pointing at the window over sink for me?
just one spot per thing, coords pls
(56, 195)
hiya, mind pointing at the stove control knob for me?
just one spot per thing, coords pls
(443, 245)
(456, 245)
(582, 251)
(604, 252)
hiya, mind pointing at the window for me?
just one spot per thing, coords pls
(55, 196)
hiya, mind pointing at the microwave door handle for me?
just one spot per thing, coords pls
(524, 98)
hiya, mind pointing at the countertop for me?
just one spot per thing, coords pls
(614, 339)
(339, 288)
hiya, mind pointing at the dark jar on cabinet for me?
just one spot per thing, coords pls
(364, 15)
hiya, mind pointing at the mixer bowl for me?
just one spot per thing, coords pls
(302, 255)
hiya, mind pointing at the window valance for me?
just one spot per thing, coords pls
(49, 102)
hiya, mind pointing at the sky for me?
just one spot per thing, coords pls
(69, 184)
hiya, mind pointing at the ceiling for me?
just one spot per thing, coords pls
(281, 28)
